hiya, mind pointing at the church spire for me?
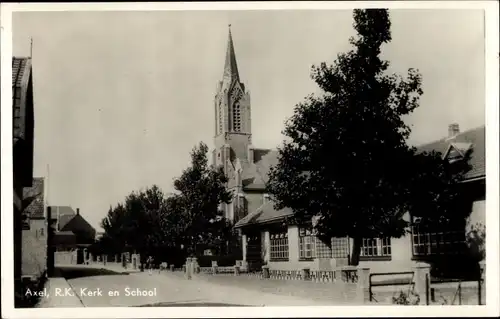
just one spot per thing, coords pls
(230, 67)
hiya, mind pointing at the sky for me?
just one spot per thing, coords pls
(121, 98)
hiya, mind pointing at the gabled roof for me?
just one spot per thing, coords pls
(64, 213)
(469, 141)
(34, 199)
(64, 238)
(265, 213)
(77, 224)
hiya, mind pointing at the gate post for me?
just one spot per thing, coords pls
(363, 285)
(422, 283)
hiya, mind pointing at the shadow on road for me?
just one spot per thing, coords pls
(78, 272)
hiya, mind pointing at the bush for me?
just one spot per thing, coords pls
(407, 299)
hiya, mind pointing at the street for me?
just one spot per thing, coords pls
(96, 287)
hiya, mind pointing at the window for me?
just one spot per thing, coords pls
(236, 117)
(340, 247)
(310, 246)
(376, 247)
(41, 232)
(306, 244)
(437, 243)
(279, 246)
(220, 117)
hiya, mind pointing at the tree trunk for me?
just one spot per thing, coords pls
(356, 250)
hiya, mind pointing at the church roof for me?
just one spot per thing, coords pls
(230, 66)
(255, 175)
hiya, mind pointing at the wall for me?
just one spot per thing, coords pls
(34, 249)
(401, 257)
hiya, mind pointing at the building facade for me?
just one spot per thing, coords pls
(23, 142)
(72, 235)
(266, 236)
(34, 238)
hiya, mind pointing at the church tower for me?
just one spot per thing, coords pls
(233, 135)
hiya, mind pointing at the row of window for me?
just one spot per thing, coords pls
(310, 246)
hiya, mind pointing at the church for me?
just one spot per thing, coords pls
(265, 236)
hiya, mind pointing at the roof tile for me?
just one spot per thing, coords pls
(34, 199)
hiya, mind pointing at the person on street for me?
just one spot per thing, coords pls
(150, 265)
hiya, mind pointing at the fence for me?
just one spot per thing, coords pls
(406, 278)
(456, 292)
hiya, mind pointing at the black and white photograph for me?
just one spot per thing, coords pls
(228, 157)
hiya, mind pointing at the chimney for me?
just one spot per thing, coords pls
(78, 211)
(453, 130)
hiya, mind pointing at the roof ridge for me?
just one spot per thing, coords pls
(446, 139)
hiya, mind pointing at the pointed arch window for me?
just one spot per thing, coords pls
(237, 117)
(220, 118)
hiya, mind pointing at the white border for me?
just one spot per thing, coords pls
(492, 161)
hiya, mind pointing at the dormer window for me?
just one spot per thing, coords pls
(457, 152)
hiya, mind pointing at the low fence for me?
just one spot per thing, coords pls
(392, 279)
(345, 274)
(456, 292)
(418, 287)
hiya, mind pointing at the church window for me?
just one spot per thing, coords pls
(236, 117)
(220, 117)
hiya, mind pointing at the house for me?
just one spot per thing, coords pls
(34, 237)
(265, 238)
(22, 143)
(73, 234)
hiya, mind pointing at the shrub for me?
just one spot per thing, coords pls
(407, 299)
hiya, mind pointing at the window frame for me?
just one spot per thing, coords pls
(427, 241)
(279, 246)
(376, 249)
(307, 239)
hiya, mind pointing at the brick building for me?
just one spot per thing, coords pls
(265, 238)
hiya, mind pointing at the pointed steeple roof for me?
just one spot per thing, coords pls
(230, 66)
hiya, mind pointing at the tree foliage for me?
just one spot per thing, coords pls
(148, 220)
(201, 190)
(346, 160)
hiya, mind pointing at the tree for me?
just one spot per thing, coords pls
(137, 223)
(201, 189)
(346, 161)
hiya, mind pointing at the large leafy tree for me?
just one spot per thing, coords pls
(195, 208)
(346, 160)
(136, 223)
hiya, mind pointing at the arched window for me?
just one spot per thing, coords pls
(237, 117)
(220, 118)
